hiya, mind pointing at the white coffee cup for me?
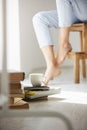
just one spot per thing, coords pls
(36, 79)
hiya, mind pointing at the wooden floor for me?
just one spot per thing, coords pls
(71, 102)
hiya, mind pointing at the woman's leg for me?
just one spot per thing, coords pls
(64, 45)
(42, 22)
(52, 67)
(66, 19)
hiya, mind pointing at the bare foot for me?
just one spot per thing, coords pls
(62, 53)
(50, 73)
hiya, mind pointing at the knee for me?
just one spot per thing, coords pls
(38, 17)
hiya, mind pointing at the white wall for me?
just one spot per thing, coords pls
(31, 56)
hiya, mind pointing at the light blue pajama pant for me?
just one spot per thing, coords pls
(68, 12)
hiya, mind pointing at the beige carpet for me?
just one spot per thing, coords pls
(71, 102)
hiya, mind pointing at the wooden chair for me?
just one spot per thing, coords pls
(82, 55)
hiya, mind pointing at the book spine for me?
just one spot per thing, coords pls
(18, 95)
(18, 76)
(15, 76)
(15, 91)
(14, 85)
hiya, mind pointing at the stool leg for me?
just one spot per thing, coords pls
(76, 69)
(84, 68)
(82, 38)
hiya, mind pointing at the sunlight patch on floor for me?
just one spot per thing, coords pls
(72, 97)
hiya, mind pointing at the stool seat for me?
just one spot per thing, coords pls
(81, 55)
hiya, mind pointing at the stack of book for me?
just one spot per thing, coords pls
(33, 93)
(14, 82)
(15, 91)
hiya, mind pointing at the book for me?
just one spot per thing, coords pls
(15, 91)
(19, 105)
(38, 94)
(15, 76)
(18, 95)
(40, 88)
(36, 99)
(14, 85)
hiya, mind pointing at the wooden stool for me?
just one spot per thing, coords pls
(82, 55)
